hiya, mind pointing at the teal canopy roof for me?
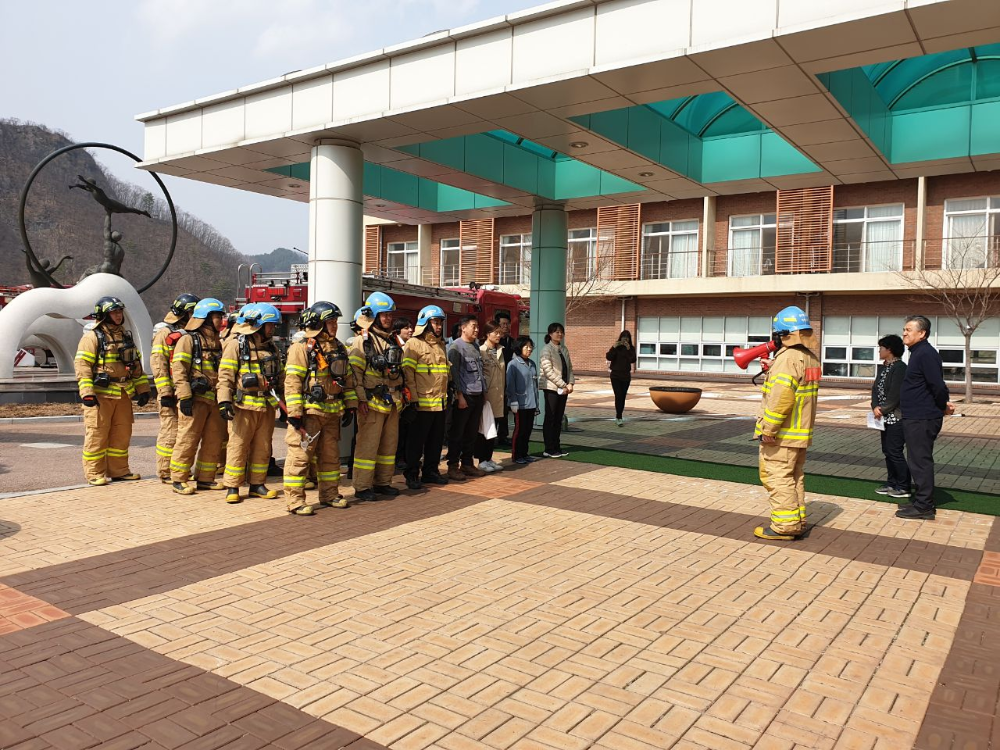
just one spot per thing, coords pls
(709, 115)
(954, 77)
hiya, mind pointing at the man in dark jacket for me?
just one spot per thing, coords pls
(923, 399)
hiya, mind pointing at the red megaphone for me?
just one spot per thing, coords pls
(743, 357)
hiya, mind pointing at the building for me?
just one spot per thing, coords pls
(682, 167)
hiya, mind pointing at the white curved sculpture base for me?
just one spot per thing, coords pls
(55, 317)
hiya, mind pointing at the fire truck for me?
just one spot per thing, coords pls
(289, 292)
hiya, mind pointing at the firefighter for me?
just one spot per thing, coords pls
(165, 336)
(109, 372)
(319, 391)
(249, 379)
(376, 359)
(425, 373)
(232, 320)
(785, 423)
(195, 370)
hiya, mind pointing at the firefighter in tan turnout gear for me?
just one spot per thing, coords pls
(376, 359)
(165, 337)
(195, 370)
(109, 373)
(319, 392)
(785, 424)
(250, 376)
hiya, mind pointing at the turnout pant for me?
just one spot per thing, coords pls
(424, 440)
(555, 408)
(620, 387)
(249, 438)
(206, 427)
(323, 457)
(464, 430)
(782, 472)
(166, 438)
(375, 449)
(107, 433)
(524, 421)
(897, 472)
(920, 435)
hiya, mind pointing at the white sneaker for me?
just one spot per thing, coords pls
(487, 466)
(619, 422)
(496, 466)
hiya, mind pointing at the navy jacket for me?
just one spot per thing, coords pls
(923, 394)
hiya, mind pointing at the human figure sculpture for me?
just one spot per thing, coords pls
(113, 252)
(110, 205)
(38, 278)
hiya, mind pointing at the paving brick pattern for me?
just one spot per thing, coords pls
(558, 605)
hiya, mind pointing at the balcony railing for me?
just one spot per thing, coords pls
(962, 252)
(846, 257)
(671, 265)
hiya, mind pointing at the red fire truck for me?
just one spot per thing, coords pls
(289, 292)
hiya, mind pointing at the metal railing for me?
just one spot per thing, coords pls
(670, 265)
(845, 257)
(962, 252)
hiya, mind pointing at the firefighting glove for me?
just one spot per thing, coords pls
(347, 418)
(296, 423)
(226, 410)
(143, 399)
(89, 401)
(169, 401)
(187, 407)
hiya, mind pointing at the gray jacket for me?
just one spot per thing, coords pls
(550, 364)
(522, 383)
(467, 368)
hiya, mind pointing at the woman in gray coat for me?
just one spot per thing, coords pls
(885, 404)
(556, 383)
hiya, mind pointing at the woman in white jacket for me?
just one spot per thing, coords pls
(556, 383)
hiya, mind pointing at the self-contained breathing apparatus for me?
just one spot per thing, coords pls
(320, 360)
(388, 361)
(199, 383)
(270, 368)
(127, 353)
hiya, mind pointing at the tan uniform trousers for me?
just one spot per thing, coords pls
(249, 438)
(375, 448)
(323, 458)
(166, 438)
(782, 472)
(107, 433)
(204, 426)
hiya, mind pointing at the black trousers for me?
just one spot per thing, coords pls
(503, 424)
(897, 472)
(484, 447)
(424, 439)
(524, 421)
(555, 408)
(920, 435)
(464, 429)
(620, 387)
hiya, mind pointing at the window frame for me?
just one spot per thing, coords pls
(458, 266)
(409, 247)
(591, 242)
(864, 221)
(524, 258)
(670, 234)
(760, 226)
(988, 238)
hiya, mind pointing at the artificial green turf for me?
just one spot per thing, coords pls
(971, 502)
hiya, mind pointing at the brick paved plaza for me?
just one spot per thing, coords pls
(558, 605)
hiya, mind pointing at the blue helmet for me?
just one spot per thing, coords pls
(241, 316)
(380, 302)
(202, 310)
(358, 314)
(429, 313)
(261, 313)
(790, 319)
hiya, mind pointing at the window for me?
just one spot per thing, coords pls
(869, 238)
(670, 250)
(451, 262)
(403, 262)
(515, 259)
(698, 344)
(752, 240)
(581, 254)
(972, 232)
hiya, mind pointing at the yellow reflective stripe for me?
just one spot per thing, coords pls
(354, 359)
(431, 401)
(773, 417)
(327, 407)
(295, 370)
(182, 357)
(163, 450)
(409, 362)
(228, 364)
(379, 406)
(178, 466)
(294, 399)
(290, 481)
(258, 467)
(386, 460)
(92, 456)
(117, 451)
(210, 396)
(86, 381)
(161, 381)
(363, 463)
(235, 471)
(328, 476)
(86, 357)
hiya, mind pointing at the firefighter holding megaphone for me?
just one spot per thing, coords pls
(785, 420)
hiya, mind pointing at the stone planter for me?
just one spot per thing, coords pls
(674, 400)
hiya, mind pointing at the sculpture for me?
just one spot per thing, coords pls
(113, 252)
(38, 278)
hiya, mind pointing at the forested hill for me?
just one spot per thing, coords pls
(63, 222)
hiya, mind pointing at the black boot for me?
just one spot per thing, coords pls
(366, 496)
(385, 489)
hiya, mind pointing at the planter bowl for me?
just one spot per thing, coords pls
(674, 400)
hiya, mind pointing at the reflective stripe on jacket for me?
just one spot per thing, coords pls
(159, 360)
(425, 371)
(183, 369)
(126, 380)
(790, 392)
(233, 368)
(299, 380)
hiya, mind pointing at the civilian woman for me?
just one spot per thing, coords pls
(556, 383)
(522, 396)
(493, 373)
(885, 404)
(621, 357)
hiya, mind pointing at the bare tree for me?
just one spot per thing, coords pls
(590, 273)
(966, 287)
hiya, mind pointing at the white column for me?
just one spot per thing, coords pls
(918, 250)
(336, 226)
(424, 232)
(707, 235)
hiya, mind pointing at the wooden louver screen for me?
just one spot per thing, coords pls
(805, 231)
(373, 249)
(618, 242)
(477, 261)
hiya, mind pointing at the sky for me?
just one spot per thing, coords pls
(87, 68)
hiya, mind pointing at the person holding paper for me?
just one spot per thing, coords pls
(556, 383)
(494, 375)
(885, 406)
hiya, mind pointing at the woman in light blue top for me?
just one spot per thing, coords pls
(522, 396)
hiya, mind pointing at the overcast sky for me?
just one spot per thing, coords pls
(87, 68)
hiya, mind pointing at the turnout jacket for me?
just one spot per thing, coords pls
(262, 359)
(319, 361)
(368, 381)
(165, 337)
(790, 391)
(122, 363)
(425, 371)
(185, 368)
